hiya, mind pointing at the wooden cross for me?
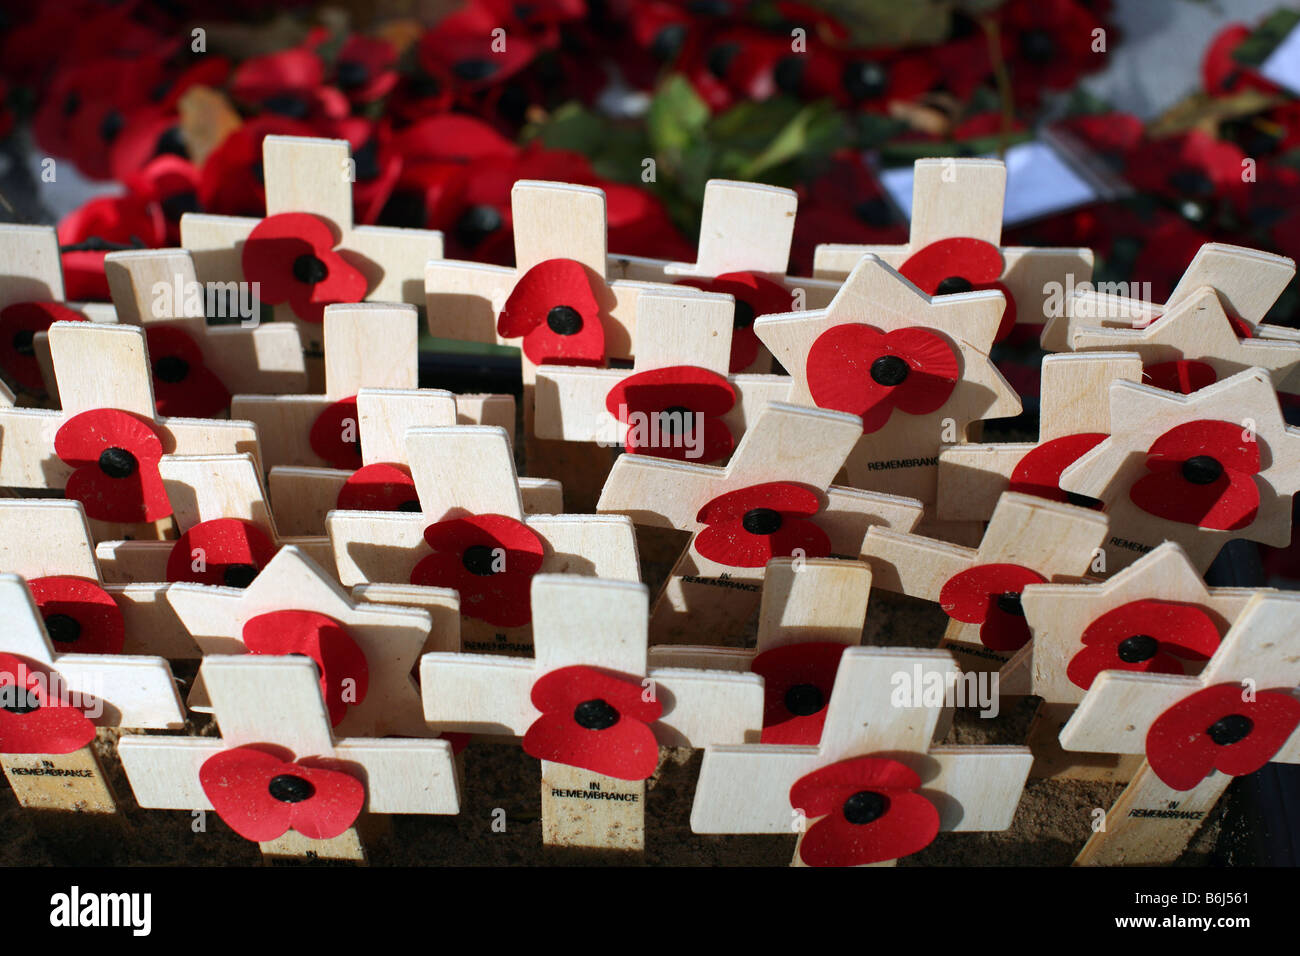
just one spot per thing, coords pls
(900, 455)
(964, 198)
(601, 624)
(787, 444)
(1242, 411)
(275, 702)
(1152, 822)
(746, 788)
(1041, 539)
(308, 175)
(113, 690)
(972, 476)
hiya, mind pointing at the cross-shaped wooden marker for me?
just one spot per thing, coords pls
(601, 624)
(1152, 821)
(1205, 468)
(275, 702)
(792, 451)
(964, 199)
(315, 176)
(113, 690)
(746, 788)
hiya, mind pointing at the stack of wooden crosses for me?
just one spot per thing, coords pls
(365, 583)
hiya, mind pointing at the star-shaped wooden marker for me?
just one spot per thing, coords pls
(1246, 411)
(899, 456)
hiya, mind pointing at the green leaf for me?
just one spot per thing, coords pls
(676, 118)
(814, 131)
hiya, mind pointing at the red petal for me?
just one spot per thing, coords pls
(222, 544)
(379, 487)
(627, 750)
(502, 598)
(548, 284)
(1182, 376)
(1228, 503)
(657, 390)
(335, 435)
(54, 727)
(344, 673)
(783, 668)
(815, 793)
(100, 626)
(909, 825)
(1039, 471)
(343, 283)
(782, 496)
(755, 295)
(275, 244)
(183, 386)
(1183, 632)
(18, 323)
(970, 596)
(1227, 442)
(139, 496)
(567, 687)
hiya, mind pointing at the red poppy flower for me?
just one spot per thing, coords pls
(1048, 45)
(680, 393)
(365, 69)
(1194, 169)
(595, 721)
(464, 48)
(1150, 636)
(289, 83)
(1201, 473)
(33, 719)
(19, 324)
(229, 552)
(1183, 376)
(750, 526)
(1038, 473)
(182, 384)
(755, 296)
(554, 309)
(80, 616)
(99, 226)
(1221, 73)
(344, 672)
(797, 683)
(869, 812)
(638, 224)
(949, 266)
(824, 216)
(260, 796)
(490, 560)
(1216, 729)
(379, 487)
(231, 180)
(171, 183)
(859, 369)
(293, 256)
(116, 456)
(334, 437)
(989, 595)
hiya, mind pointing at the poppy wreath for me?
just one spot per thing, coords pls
(1183, 376)
(334, 435)
(989, 595)
(19, 324)
(1201, 473)
(748, 527)
(797, 684)
(1218, 729)
(228, 552)
(596, 721)
(755, 296)
(1038, 473)
(292, 255)
(32, 719)
(80, 616)
(949, 266)
(869, 810)
(379, 487)
(553, 308)
(1152, 637)
(182, 384)
(344, 672)
(667, 400)
(260, 796)
(115, 456)
(859, 369)
(490, 559)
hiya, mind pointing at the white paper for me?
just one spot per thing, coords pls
(1283, 64)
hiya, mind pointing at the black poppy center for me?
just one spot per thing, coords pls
(595, 715)
(1230, 730)
(1083, 501)
(788, 74)
(474, 69)
(289, 788)
(804, 699)
(18, 700)
(238, 575)
(25, 342)
(668, 41)
(1192, 182)
(564, 320)
(1138, 648)
(309, 270)
(1202, 470)
(411, 504)
(1009, 603)
(761, 521)
(111, 125)
(720, 57)
(889, 370)
(953, 285)
(63, 628)
(178, 204)
(477, 223)
(478, 559)
(865, 806)
(170, 143)
(864, 80)
(874, 212)
(1037, 46)
(171, 368)
(351, 74)
(117, 462)
(744, 315)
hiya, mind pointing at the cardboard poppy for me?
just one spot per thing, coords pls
(292, 255)
(1038, 473)
(750, 526)
(861, 370)
(1048, 45)
(869, 812)
(989, 595)
(554, 309)
(334, 434)
(33, 719)
(490, 559)
(596, 721)
(261, 796)
(116, 457)
(19, 324)
(379, 487)
(660, 407)
(755, 296)
(1216, 729)
(80, 616)
(1154, 637)
(1183, 376)
(231, 179)
(182, 384)
(797, 683)
(1201, 473)
(344, 673)
(949, 266)
(227, 552)
(365, 69)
